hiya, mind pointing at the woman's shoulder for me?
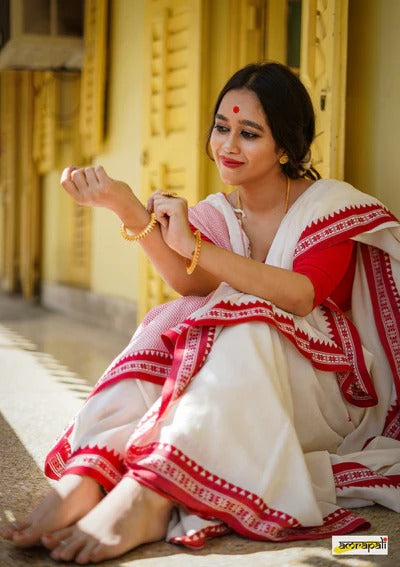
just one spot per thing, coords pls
(327, 197)
(338, 190)
(215, 200)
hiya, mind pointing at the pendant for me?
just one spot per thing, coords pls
(240, 212)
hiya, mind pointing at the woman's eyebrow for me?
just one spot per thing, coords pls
(252, 124)
(245, 122)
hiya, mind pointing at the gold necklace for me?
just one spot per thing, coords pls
(239, 209)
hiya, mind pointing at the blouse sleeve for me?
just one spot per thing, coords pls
(331, 272)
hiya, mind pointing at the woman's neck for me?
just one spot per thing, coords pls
(260, 198)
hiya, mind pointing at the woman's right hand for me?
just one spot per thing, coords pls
(91, 186)
(172, 214)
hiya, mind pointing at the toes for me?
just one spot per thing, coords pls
(6, 531)
(25, 537)
(99, 553)
(20, 525)
(12, 530)
(53, 539)
(86, 555)
(48, 541)
(67, 549)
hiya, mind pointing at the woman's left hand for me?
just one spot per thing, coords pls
(172, 214)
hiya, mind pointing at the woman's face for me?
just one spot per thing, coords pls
(241, 141)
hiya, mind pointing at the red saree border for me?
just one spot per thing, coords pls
(351, 474)
(324, 355)
(341, 353)
(57, 458)
(104, 466)
(191, 348)
(392, 423)
(341, 225)
(198, 539)
(386, 306)
(169, 471)
(356, 383)
(149, 365)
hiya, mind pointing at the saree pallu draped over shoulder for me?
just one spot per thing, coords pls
(250, 418)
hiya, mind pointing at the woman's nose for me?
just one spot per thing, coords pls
(231, 144)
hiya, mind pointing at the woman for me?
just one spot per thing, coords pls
(253, 403)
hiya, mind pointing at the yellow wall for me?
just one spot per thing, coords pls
(373, 100)
(114, 261)
(53, 249)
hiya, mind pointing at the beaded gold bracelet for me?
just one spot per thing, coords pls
(191, 265)
(143, 233)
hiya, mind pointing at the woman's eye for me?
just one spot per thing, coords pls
(249, 135)
(220, 128)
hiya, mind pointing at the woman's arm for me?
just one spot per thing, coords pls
(288, 290)
(91, 186)
(169, 245)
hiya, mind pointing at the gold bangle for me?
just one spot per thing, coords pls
(147, 229)
(191, 265)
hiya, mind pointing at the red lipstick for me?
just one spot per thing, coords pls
(229, 162)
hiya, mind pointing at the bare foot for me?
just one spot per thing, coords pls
(127, 517)
(72, 497)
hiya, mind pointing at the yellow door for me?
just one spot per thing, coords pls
(323, 71)
(235, 31)
(29, 190)
(246, 32)
(9, 254)
(311, 37)
(93, 90)
(170, 155)
(189, 59)
(308, 35)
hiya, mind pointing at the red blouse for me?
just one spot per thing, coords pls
(331, 272)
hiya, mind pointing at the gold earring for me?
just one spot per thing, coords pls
(283, 159)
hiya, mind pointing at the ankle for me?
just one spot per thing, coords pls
(156, 502)
(70, 484)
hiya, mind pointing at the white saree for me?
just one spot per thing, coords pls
(250, 418)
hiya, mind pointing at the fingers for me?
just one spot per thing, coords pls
(84, 183)
(154, 201)
(78, 177)
(101, 174)
(150, 202)
(91, 177)
(88, 175)
(67, 182)
(66, 174)
(168, 199)
(171, 213)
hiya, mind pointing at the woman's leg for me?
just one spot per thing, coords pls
(127, 517)
(98, 440)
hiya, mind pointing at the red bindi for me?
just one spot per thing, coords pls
(236, 109)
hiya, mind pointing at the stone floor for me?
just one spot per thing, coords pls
(47, 361)
(85, 349)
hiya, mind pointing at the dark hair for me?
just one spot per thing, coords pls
(288, 110)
